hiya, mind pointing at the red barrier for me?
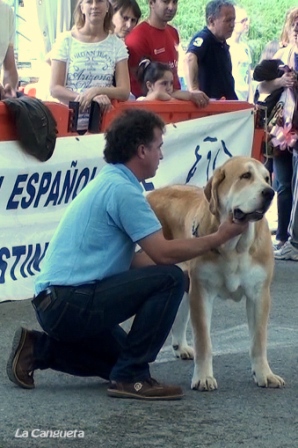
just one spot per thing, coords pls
(171, 112)
(175, 111)
(30, 90)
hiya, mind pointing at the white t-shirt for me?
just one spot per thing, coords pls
(89, 64)
(7, 30)
(286, 54)
(241, 66)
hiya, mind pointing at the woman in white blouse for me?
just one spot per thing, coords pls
(90, 62)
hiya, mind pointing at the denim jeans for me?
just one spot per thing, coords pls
(282, 168)
(82, 333)
(293, 226)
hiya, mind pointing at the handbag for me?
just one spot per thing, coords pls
(281, 134)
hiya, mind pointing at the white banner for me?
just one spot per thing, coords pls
(34, 195)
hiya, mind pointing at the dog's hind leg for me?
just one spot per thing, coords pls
(257, 309)
(179, 342)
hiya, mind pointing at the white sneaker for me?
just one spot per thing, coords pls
(277, 244)
(286, 252)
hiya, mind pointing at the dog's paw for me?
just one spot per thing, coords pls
(269, 380)
(204, 384)
(183, 351)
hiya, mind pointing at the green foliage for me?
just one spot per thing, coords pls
(266, 20)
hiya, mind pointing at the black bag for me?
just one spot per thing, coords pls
(35, 125)
(268, 70)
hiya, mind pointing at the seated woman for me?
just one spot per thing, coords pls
(127, 14)
(157, 80)
(90, 62)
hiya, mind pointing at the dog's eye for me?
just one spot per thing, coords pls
(267, 179)
(245, 175)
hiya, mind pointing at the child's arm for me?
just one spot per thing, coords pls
(158, 96)
(183, 95)
(198, 97)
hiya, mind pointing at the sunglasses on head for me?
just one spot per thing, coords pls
(243, 20)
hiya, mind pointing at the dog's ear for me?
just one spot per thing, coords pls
(211, 189)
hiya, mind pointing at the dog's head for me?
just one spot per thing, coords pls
(240, 187)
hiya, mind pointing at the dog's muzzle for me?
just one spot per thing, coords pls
(255, 215)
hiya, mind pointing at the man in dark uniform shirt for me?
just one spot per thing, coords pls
(209, 66)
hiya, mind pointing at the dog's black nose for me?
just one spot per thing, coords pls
(268, 193)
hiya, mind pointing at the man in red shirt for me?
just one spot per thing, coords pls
(154, 39)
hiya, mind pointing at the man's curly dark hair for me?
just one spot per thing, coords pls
(132, 128)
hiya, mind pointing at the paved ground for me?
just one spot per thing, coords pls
(238, 414)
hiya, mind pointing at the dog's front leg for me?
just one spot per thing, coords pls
(201, 305)
(179, 343)
(257, 309)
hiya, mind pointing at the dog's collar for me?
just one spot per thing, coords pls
(195, 233)
(195, 229)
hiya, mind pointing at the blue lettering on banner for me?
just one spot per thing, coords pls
(211, 153)
(209, 156)
(24, 261)
(1, 180)
(226, 151)
(16, 190)
(194, 167)
(42, 190)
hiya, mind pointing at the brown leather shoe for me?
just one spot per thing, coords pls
(149, 389)
(20, 363)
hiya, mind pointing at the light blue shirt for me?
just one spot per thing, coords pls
(97, 235)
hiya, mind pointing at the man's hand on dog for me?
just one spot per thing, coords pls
(229, 229)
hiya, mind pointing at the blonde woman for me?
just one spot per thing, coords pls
(289, 55)
(290, 38)
(285, 163)
(90, 62)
